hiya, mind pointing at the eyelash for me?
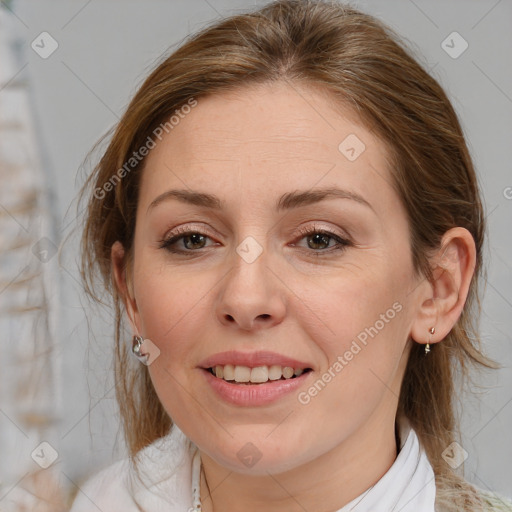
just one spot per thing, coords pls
(180, 233)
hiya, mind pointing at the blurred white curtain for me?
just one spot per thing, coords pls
(29, 361)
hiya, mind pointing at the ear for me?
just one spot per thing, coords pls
(123, 281)
(442, 300)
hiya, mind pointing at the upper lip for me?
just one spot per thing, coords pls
(251, 359)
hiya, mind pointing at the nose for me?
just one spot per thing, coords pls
(251, 296)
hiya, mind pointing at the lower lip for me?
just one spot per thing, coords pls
(254, 394)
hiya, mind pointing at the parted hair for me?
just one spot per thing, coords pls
(362, 64)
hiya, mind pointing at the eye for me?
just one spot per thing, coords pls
(189, 240)
(186, 241)
(319, 240)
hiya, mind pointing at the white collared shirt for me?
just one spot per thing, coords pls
(169, 473)
(408, 485)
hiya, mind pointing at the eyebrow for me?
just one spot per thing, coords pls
(287, 201)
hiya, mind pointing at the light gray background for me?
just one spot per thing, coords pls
(106, 49)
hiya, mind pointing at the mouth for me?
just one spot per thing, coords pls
(245, 375)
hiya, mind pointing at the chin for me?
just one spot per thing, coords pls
(257, 455)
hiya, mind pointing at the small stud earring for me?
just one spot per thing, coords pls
(432, 330)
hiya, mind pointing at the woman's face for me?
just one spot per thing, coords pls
(272, 273)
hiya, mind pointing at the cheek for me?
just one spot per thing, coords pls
(364, 339)
(362, 363)
(171, 305)
(359, 302)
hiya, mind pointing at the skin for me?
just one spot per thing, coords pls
(249, 147)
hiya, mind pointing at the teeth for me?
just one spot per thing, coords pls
(256, 375)
(259, 374)
(274, 372)
(229, 372)
(242, 374)
(287, 372)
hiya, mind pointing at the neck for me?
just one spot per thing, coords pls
(324, 484)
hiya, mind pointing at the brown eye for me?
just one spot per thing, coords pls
(320, 241)
(197, 241)
(186, 242)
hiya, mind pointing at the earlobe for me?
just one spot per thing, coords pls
(445, 295)
(425, 328)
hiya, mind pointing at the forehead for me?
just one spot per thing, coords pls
(266, 138)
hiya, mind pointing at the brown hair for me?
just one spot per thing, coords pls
(363, 64)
